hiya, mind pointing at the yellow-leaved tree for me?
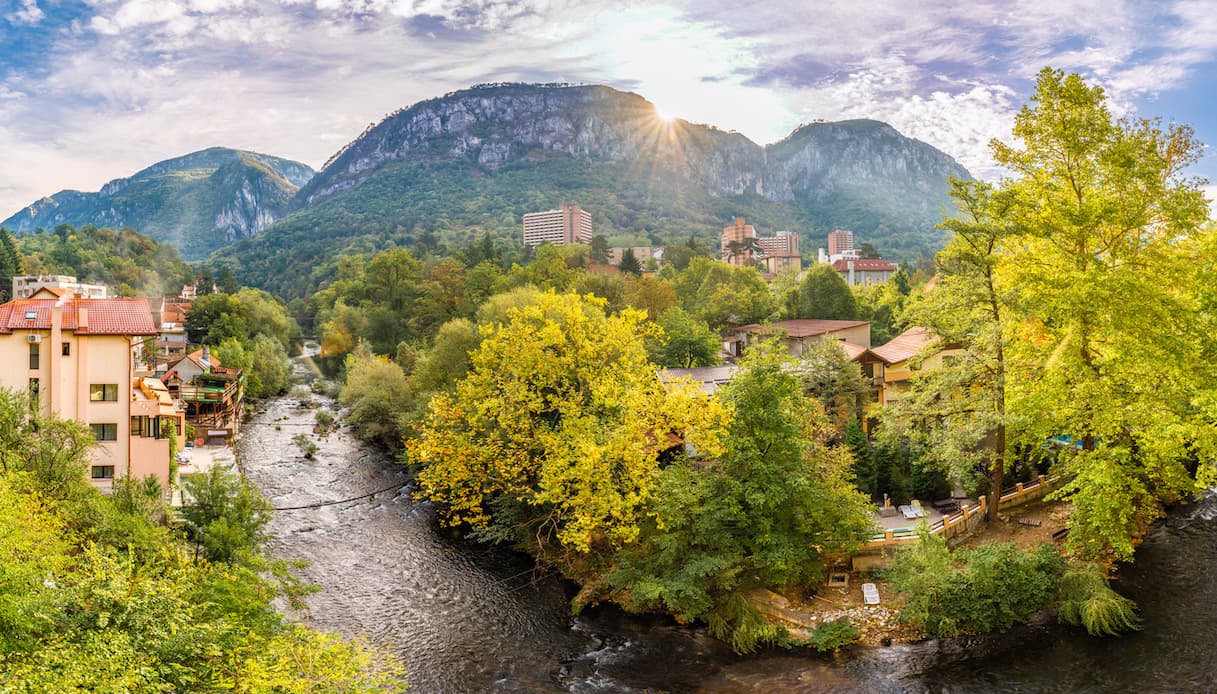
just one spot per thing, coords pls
(555, 438)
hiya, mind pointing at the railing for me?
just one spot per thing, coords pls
(208, 394)
(947, 526)
(964, 521)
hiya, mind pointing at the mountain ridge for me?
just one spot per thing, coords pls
(196, 202)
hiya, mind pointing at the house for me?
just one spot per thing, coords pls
(899, 363)
(80, 359)
(213, 396)
(800, 334)
(169, 315)
(864, 271)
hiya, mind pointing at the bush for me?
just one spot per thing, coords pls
(1088, 601)
(308, 449)
(834, 635)
(990, 588)
(323, 422)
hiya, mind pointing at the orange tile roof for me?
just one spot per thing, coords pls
(905, 345)
(104, 316)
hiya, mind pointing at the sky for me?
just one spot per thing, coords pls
(92, 90)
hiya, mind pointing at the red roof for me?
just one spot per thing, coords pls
(102, 316)
(864, 265)
(904, 346)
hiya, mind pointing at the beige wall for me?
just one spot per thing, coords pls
(64, 383)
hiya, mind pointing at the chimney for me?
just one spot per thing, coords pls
(82, 317)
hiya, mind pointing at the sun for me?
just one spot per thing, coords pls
(662, 115)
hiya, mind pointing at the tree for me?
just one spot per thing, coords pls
(822, 294)
(1111, 348)
(553, 439)
(600, 249)
(765, 514)
(378, 394)
(685, 341)
(835, 381)
(956, 412)
(629, 263)
(226, 517)
(10, 263)
(214, 317)
(720, 294)
(226, 282)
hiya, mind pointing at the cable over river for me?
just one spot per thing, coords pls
(469, 618)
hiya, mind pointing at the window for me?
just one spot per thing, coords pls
(67, 349)
(104, 432)
(34, 355)
(103, 472)
(146, 427)
(103, 392)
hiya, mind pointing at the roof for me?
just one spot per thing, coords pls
(864, 265)
(116, 316)
(855, 352)
(905, 345)
(708, 378)
(803, 327)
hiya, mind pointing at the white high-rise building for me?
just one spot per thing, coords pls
(567, 224)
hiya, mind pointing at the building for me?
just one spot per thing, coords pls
(899, 363)
(80, 359)
(740, 246)
(25, 286)
(840, 242)
(734, 245)
(169, 316)
(565, 225)
(780, 251)
(213, 396)
(642, 253)
(864, 271)
(800, 334)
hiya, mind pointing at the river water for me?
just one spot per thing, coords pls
(470, 618)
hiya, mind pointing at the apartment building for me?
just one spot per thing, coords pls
(25, 286)
(79, 359)
(566, 225)
(740, 246)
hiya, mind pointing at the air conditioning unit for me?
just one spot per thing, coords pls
(33, 339)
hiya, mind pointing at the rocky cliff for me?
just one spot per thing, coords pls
(197, 202)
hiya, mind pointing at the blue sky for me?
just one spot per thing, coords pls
(92, 90)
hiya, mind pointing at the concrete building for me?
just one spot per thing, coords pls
(840, 241)
(80, 359)
(642, 253)
(780, 251)
(740, 246)
(864, 271)
(565, 225)
(731, 244)
(25, 286)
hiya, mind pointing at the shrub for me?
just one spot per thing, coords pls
(834, 635)
(308, 449)
(990, 588)
(1088, 601)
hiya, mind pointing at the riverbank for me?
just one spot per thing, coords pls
(878, 625)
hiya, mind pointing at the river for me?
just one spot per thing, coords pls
(470, 618)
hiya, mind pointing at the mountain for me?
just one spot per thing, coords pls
(196, 203)
(473, 162)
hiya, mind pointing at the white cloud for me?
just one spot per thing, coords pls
(28, 13)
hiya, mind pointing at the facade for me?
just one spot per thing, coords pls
(840, 242)
(642, 253)
(740, 246)
(80, 359)
(780, 251)
(864, 271)
(25, 286)
(898, 360)
(213, 396)
(566, 225)
(732, 237)
(798, 335)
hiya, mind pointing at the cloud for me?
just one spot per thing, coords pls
(134, 81)
(28, 13)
